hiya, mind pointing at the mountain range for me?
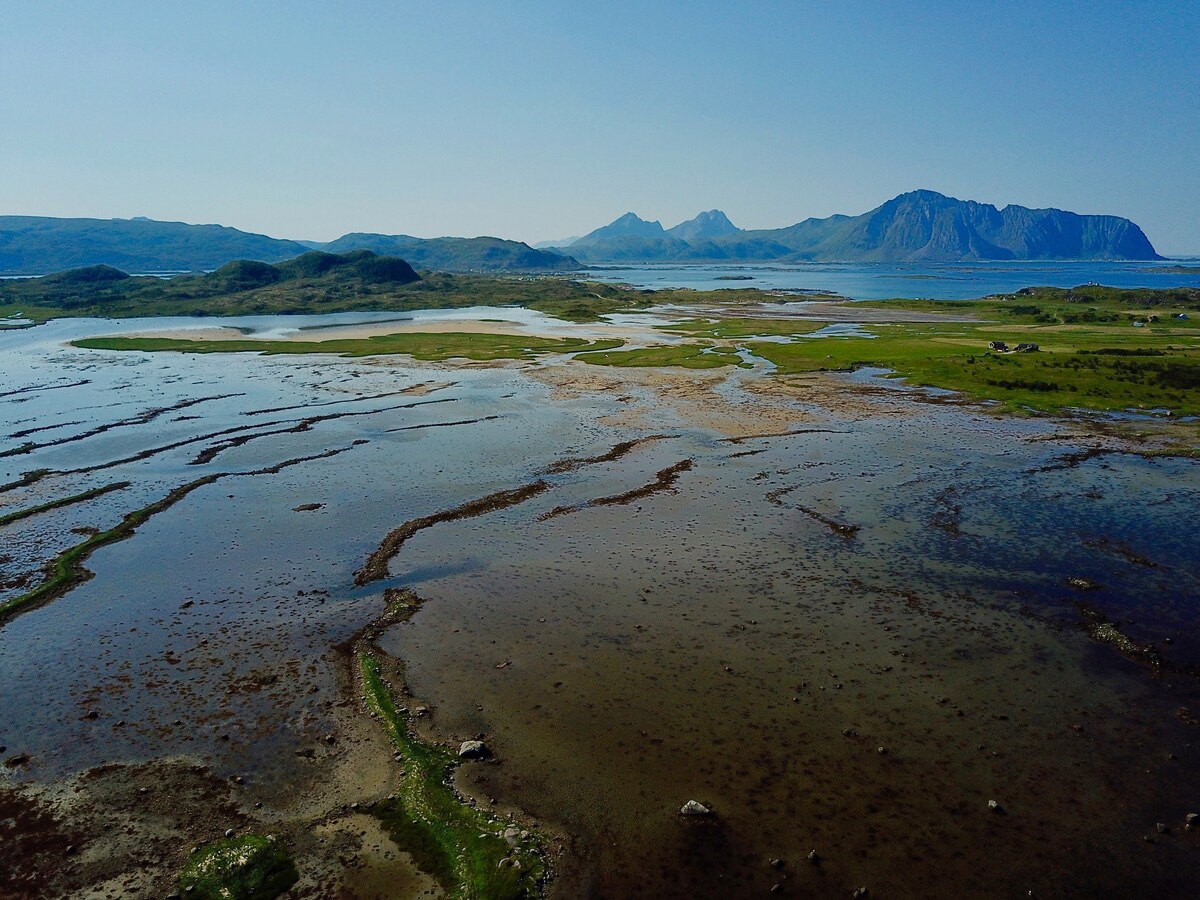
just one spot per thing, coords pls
(33, 245)
(919, 226)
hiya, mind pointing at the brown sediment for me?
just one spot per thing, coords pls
(1121, 549)
(618, 450)
(44, 387)
(28, 431)
(1071, 460)
(36, 475)
(847, 531)
(772, 434)
(443, 424)
(33, 476)
(362, 399)
(776, 496)
(208, 454)
(140, 419)
(377, 563)
(65, 501)
(66, 571)
(1101, 628)
(664, 480)
(948, 513)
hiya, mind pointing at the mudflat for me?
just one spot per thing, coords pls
(890, 637)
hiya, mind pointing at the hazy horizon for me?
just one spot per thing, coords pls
(542, 121)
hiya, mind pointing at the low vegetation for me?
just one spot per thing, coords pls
(422, 345)
(249, 867)
(689, 356)
(460, 845)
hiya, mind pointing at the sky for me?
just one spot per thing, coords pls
(538, 120)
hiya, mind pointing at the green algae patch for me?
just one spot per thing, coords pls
(249, 867)
(743, 327)
(436, 347)
(59, 504)
(465, 849)
(66, 570)
(688, 356)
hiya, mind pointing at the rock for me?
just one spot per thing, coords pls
(229, 832)
(70, 850)
(813, 857)
(473, 750)
(1084, 584)
(994, 806)
(330, 739)
(861, 892)
(695, 808)
(512, 836)
(21, 759)
(1192, 820)
(1162, 828)
(777, 863)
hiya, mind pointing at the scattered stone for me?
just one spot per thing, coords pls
(70, 850)
(813, 857)
(330, 739)
(777, 887)
(91, 715)
(994, 806)
(777, 863)
(187, 604)
(473, 750)
(695, 808)
(861, 892)
(882, 751)
(1162, 828)
(512, 836)
(1084, 584)
(1192, 821)
(229, 832)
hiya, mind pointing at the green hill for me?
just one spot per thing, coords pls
(451, 254)
(34, 245)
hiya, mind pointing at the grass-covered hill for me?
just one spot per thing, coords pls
(314, 282)
(35, 245)
(451, 254)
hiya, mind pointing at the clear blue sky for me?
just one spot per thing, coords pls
(537, 120)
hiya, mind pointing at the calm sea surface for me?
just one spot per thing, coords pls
(940, 281)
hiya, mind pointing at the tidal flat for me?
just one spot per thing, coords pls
(891, 637)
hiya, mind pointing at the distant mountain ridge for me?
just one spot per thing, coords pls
(919, 226)
(35, 245)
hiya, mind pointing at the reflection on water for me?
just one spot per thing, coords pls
(863, 694)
